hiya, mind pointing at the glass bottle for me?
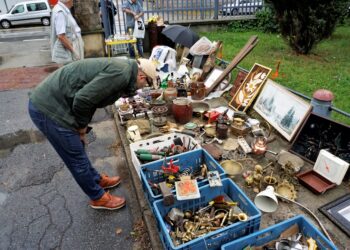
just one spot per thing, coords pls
(164, 83)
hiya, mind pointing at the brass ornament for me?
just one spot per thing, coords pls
(287, 190)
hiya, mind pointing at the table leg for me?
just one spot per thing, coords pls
(135, 50)
(109, 48)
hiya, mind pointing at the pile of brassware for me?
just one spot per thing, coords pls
(189, 225)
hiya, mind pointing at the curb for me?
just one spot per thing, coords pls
(146, 212)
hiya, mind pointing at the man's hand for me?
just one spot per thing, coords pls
(82, 134)
(66, 42)
(138, 16)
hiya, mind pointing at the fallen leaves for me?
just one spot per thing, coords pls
(118, 230)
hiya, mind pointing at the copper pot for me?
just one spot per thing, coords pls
(259, 145)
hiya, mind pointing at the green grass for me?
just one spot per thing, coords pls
(328, 66)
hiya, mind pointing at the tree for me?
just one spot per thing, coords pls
(304, 23)
(288, 118)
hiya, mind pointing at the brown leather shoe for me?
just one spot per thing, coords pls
(109, 202)
(109, 182)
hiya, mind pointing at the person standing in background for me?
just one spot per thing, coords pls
(133, 11)
(66, 42)
(111, 12)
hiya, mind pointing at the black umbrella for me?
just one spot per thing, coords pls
(181, 35)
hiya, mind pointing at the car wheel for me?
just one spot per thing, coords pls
(45, 21)
(5, 24)
(234, 12)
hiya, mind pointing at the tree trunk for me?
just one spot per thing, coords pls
(86, 13)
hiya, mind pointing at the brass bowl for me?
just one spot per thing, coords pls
(200, 107)
(232, 167)
(210, 130)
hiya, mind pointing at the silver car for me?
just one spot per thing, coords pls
(30, 12)
(241, 7)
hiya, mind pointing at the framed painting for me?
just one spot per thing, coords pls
(282, 109)
(249, 88)
(214, 74)
(338, 211)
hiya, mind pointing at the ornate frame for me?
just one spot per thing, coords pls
(250, 87)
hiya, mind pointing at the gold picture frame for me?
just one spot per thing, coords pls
(250, 87)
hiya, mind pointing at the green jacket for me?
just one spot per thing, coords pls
(71, 95)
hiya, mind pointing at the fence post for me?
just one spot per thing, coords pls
(201, 9)
(216, 9)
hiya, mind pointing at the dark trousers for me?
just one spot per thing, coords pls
(139, 44)
(71, 149)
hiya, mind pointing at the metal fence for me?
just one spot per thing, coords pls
(200, 10)
(180, 11)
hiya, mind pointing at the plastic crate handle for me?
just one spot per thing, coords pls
(212, 164)
(211, 242)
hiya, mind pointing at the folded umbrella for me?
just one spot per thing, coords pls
(181, 35)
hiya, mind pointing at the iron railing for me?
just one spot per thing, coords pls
(179, 11)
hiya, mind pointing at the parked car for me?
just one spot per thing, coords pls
(31, 12)
(241, 7)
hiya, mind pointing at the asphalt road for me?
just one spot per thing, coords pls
(25, 47)
(41, 206)
(24, 33)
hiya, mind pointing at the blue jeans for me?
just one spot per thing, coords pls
(70, 148)
(139, 45)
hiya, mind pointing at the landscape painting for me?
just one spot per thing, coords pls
(281, 108)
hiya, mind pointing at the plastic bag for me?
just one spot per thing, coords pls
(202, 47)
(164, 55)
(139, 29)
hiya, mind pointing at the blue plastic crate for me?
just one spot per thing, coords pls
(192, 159)
(215, 239)
(263, 237)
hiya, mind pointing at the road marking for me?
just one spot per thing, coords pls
(34, 40)
(26, 29)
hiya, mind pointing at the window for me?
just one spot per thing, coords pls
(41, 6)
(31, 7)
(18, 9)
(36, 6)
